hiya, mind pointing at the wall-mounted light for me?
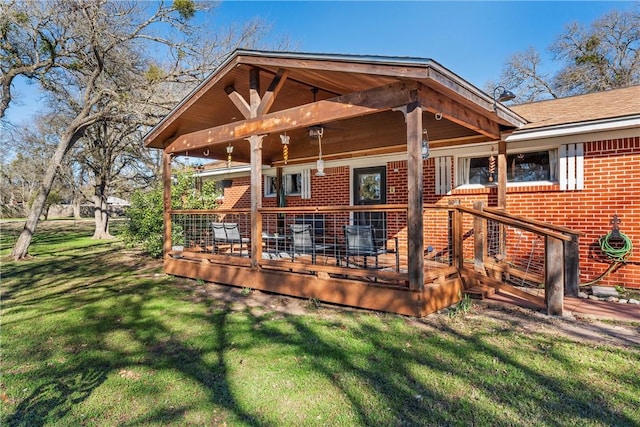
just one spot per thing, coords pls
(505, 95)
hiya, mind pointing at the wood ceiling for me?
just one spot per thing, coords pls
(209, 108)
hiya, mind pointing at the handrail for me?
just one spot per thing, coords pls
(210, 211)
(534, 222)
(315, 209)
(515, 223)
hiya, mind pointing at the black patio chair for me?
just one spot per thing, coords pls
(360, 241)
(302, 242)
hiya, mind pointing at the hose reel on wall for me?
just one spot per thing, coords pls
(615, 246)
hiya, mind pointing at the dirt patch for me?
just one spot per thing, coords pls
(504, 316)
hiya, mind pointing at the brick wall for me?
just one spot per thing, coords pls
(611, 186)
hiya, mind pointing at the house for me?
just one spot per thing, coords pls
(458, 191)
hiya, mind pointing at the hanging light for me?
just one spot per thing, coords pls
(229, 151)
(318, 131)
(425, 145)
(285, 147)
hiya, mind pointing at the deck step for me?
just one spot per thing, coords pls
(480, 292)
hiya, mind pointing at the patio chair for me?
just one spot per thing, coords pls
(228, 233)
(360, 242)
(233, 237)
(302, 242)
(219, 236)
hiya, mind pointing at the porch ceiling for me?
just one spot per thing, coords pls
(468, 114)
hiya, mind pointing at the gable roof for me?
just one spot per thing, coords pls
(614, 103)
(345, 86)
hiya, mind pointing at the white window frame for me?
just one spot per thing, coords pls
(268, 179)
(462, 166)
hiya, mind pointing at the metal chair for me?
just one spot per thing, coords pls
(302, 242)
(228, 233)
(360, 242)
(233, 236)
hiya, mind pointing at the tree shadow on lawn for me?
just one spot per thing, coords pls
(56, 279)
(359, 372)
(68, 384)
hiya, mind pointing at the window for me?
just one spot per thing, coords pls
(521, 167)
(292, 185)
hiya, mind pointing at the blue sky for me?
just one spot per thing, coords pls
(473, 39)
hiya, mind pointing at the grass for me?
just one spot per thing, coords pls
(93, 334)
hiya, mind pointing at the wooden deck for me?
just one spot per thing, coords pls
(467, 254)
(378, 290)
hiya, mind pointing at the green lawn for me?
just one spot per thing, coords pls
(93, 334)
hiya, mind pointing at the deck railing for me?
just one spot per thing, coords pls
(498, 248)
(193, 236)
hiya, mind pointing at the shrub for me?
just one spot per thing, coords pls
(146, 211)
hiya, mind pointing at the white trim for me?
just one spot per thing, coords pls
(443, 175)
(305, 191)
(580, 167)
(575, 129)
(571, 166)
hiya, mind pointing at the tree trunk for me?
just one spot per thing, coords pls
(101, 213)
(77, 201)
(21, 248)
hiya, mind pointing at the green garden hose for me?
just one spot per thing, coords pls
(617, 254)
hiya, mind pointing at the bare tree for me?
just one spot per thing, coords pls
(604, 55)
(107, 75)
(102, 47)
(108, 150)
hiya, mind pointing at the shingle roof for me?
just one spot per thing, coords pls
(581, 108)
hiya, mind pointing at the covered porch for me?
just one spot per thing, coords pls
(407, 257)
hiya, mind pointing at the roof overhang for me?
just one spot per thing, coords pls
(357, 100)
(587, 127)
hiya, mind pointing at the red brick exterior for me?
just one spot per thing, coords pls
(611, 186)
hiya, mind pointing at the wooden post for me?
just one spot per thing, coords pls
(554, 276)
(458, 239)
(571, 267)
(166, 200)
(479, 238)
(502, 195)
(255, 142)
(455, 226)
(415, 222)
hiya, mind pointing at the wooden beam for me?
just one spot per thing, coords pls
(272, 92)
(166, 200)
(572, 267)
(437, 102)
(415, 222)
(256, 199)
(254, 91)
(554, 276)
(240, 103)
(342, 107)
